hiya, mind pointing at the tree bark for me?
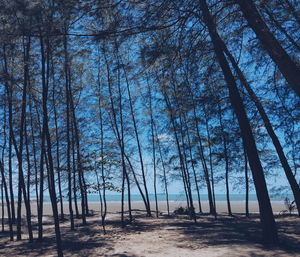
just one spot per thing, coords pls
(266, 214)
(284, 62)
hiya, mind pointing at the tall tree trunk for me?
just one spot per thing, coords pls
(82, 187)
(181, 159)
(280, 27)
(137, 139)
(51, 178)
(226, 160)
(41, 199)
(119, 135)
(125, 173)
(275, 140)
(27, 160)
(9, 91)
(153, 149)
(210, 162)
(246, 185)
(2, 207)
(34, 153)
(69, 169)
(3, 180)
(57, 147)
(192, 163)
(284, 62)
(266, 213)
(19, 150)
(164, 171)
(10, 223)
(74, 173)
(212, 209)
(186, 169)
(103, 200)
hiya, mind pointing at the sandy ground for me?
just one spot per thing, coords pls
(164, 236)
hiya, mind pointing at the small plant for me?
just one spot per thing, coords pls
(183, 211)
(180, 210)
(290, 205)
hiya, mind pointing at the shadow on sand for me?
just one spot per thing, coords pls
(234, 232)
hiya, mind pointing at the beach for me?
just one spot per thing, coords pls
(115, 207)
(174, 236)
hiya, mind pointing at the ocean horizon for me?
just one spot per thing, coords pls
(180, 197)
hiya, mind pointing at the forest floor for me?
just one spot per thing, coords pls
(164, 236)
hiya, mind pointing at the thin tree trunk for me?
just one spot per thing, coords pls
(41, 200)
(226, 160)
(28, 160)
(11, 232)
(103, 202)
(212, 209)
(293, 11)
(69, 169)
(193, 165)
(181, 159)
(10, 113)
(125, 173)
(19, 150)
(210, 162)
(57, 148)
(137, 140)
(119, 136)
(281, 28)
(2, 207)
(153, 149)
(74, 173)
(164, 171)
(246, 185)
(34, 153)
(3, 181)
(51, 186)
(79, 161)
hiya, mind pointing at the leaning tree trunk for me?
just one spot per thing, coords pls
(137, 141)
(120, 138)
(193, 165)
(275, 140)
(266, 213)
(212, 209)
(226, 160)
(164, 171)
(284, 62)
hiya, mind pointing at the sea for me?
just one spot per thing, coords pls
(181, 197)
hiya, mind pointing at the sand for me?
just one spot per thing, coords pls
(114, 207)
(174, 235)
